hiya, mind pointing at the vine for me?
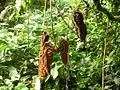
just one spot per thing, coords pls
(104, 53)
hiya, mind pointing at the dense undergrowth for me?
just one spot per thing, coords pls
(20, 28)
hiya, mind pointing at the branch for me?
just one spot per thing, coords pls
(105, 11)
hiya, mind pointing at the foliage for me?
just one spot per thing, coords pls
(20, 27)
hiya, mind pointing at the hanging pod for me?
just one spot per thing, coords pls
(63, 49)
(46, 56)
(79, 25)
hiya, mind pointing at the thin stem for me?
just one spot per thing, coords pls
(52, 22)
(43, 27)
(104, 55)
(28, 23)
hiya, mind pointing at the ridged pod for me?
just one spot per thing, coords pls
(80, 26)
(63, 49)
(46, 57)
(81, 31)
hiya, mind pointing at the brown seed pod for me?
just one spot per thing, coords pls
(44, 36)
(46, 56)
(79, 24)
(63, 49)
(81, 32)
(78, 17)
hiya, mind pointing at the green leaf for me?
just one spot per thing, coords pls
(112, 53)
(21, 86)
(47, 78)
(54, 73)
(19, 26)
(18, 4)
(13, 74)
(24, 4)
(7, 81)
(117, 80)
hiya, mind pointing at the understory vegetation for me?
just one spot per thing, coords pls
(21, 23)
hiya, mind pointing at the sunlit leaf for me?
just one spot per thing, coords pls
(13, 74)
(54, 73)
(19, 26)
(117, 80)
